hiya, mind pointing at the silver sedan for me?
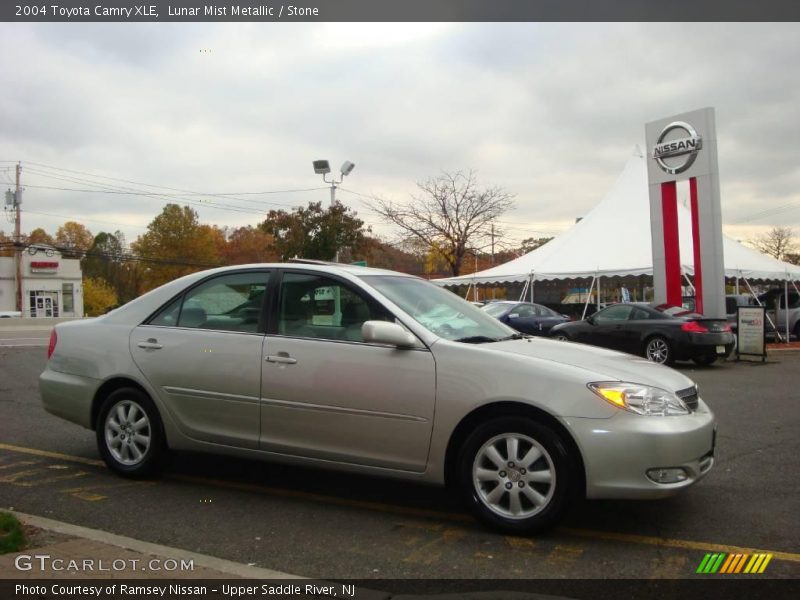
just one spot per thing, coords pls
(372, 371)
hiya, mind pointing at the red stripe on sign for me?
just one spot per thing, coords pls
(698, 261)
(672, 248)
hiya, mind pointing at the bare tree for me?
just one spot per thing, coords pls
(778, 242)
(449, 215)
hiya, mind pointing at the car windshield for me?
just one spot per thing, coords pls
(495, 308)
(440, 311)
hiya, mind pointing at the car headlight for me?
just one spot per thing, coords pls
(640, 399)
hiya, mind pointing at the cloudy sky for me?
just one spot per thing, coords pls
(549, 111)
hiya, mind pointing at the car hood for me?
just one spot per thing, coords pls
(607, 364)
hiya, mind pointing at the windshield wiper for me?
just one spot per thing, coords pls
(476, 339)
(514, 336)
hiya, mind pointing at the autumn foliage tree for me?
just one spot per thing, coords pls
(40, 236)
(175, 244)
(248, 245)
(73, 239)
(98, 296)
(316, 233)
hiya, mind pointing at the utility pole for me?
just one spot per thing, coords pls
(492, 255)
(18, 236)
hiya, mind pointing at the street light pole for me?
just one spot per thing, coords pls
(323, 167)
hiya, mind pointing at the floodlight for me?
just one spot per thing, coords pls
(322, 167)
(347, 168)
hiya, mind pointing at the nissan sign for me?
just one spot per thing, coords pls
(676, 155)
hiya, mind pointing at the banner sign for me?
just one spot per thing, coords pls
(750, 329)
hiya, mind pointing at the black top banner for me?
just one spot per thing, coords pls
(398, 10)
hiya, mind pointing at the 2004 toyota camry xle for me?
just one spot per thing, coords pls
(372, 371)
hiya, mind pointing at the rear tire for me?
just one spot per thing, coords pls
(516, 475)
(129, 433)
(658, 350)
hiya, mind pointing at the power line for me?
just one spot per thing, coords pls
(182, 192)
(36, 212)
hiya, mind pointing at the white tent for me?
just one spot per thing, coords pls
(614, 240)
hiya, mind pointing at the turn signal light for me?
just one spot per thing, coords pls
(694, 327)
(51, 347)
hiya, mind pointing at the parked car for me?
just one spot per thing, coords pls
(8, 314)
(525, 317)
(661, 333)
(366, 371)
(775, 302)
(732, 304)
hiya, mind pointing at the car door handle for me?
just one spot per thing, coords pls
(281, 358)
(151, 344)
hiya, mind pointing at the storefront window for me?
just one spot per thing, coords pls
(68, 298)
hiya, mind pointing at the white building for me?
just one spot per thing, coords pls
(51, 285)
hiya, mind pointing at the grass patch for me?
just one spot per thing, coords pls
(12, 539)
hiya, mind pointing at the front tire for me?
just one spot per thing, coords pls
(129, 433)
(516, 475)
(561, 337)
(658, 350)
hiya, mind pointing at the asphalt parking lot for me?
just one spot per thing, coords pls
(324, 525)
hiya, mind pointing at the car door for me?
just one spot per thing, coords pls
(610, 326)
(326, 394)
(547, 318)
(202, 353)
(523, 318)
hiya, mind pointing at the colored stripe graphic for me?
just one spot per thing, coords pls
(729, 564)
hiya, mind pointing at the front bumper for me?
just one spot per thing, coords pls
(618, 452)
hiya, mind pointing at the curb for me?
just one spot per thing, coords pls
(203, 560)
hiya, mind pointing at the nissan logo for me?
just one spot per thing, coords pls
(688, 146)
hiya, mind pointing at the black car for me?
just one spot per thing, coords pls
(525, 317)
(660, 333)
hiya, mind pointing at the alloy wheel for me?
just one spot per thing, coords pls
(658, 350)
(514, 476)
(128, 432)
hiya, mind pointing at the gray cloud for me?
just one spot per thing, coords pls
(550, 111)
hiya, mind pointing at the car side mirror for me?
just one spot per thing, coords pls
(391, 334)
(590, 320)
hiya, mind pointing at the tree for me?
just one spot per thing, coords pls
(316, 233)
(778, 242)
(530, 244)
(397, 258)
(6, 244)
(40, 236)
(450, 214)
(73, 239)
(98, 297)
(248, 245)
(175, 244)
(107, 260)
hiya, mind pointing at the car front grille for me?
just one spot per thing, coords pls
(689, 397)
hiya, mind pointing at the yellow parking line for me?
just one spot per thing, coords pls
(48, 454)
(671, 543)
(608, 536)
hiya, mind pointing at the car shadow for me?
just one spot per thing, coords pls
(408, 498)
